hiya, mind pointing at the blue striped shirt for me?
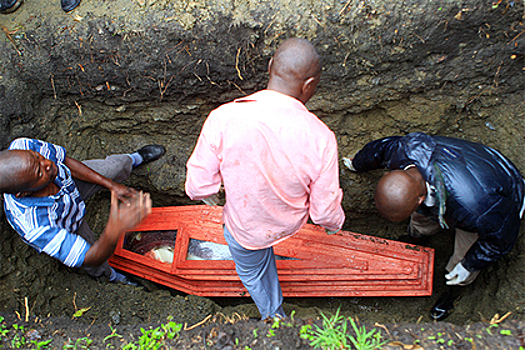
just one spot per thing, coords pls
(48, 224)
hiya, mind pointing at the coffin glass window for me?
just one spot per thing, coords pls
(160, 245)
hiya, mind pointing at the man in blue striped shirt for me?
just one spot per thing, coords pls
(44, 193)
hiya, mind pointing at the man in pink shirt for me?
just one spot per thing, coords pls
(279, 165)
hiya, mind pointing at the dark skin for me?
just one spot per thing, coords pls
(122, 218)
(35, 174)
(399, 193)
(295, 69)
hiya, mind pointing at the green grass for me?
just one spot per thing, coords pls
(152, 339)
(334, 334)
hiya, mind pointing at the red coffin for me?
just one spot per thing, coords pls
(311, 263)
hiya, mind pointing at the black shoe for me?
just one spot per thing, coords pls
(150, 153)
(445, 304)
(8, 6)
(69, 5)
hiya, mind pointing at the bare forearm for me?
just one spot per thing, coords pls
(122, 218)
(82, 172)
(101, 250)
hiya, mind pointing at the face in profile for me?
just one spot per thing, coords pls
(33, 171)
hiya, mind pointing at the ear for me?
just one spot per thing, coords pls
(308, 86)
(421, 199)
(270, 65)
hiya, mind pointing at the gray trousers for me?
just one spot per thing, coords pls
(116, 167)
(421, 225)
(258, 273)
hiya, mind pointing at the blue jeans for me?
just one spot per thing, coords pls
(258, 273)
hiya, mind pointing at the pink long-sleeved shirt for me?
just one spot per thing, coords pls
(278, 163)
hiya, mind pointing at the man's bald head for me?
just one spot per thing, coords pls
(295, 69)
(397, 195)
(13, 163)
(25, 172)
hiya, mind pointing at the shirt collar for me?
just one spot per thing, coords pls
(430, 198)
(275, 98)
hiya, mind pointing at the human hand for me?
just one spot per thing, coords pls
(331, 232)
(458, 275)
(348, 162)
(124, 216)
(123, 193)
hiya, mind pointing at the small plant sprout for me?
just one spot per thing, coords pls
(505, 332)
(150, 339)
(113, 334)
(495, 325)
(81, 312)
(365, 340)
(81, 343)
(306, 332)
(332, 335)
(276, 323)
(41, 344)
(172, 329)
(3, 329)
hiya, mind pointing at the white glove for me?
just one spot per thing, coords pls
(348, 163)
(212, 200)
(458, 275)
(330, 232)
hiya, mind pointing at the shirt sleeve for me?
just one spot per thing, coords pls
(376, 154)
(60, 244)
(395, 152)
(325, 193)
(203, 168)
(46, 149)
(35, 227)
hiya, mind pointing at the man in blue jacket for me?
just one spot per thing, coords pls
(443, 183)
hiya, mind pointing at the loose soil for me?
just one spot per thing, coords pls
(237, 332)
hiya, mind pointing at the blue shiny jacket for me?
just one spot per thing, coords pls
(484, 190)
